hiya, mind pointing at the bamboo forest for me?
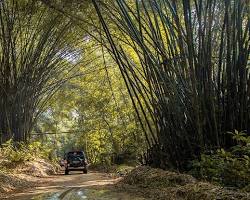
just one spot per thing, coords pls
(125, 99)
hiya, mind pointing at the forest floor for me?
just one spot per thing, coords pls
(142, 183)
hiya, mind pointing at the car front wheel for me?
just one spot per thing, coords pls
(85, 171)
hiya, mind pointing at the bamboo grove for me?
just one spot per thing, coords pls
(38, 54)
(190, 79)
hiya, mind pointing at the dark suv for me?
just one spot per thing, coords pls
(75, 161)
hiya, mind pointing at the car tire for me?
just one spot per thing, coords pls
(66, 172)
(85, 171)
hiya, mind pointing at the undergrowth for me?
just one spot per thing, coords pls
(160, 184)
(22, 152)
(227, 167)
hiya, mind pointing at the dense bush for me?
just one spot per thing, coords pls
(228, 167)
(23, 152)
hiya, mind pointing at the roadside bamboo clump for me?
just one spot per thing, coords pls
(189, 80)
(37, 55)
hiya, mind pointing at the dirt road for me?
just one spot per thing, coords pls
(76, 186)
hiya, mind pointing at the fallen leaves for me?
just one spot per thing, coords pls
(165, 185)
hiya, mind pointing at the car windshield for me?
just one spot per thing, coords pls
(78, 154)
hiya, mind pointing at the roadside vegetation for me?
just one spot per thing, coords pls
(16, 155)
(230, 168)
(21, 166)
(160, 184)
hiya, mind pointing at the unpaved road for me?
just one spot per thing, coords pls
(76, 186)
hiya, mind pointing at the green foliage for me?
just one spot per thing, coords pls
(227, 167)
(22, 152)
(39, 52)
(180, 64)
(98, 107)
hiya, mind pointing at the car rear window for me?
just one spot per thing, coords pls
(76, 154)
